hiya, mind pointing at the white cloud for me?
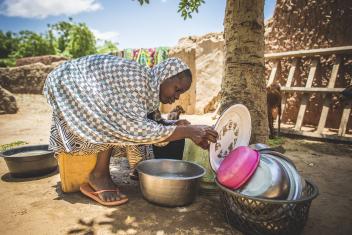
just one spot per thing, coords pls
(44, 8)
(108, 35)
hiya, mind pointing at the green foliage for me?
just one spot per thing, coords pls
(52, 42)
(276, 141)
(33, 44)
(186, 7)
(81, 41)
(62, 29)
(8, 44)
(73, 40)
(107, 47)
(4, 147)
(7, 62)
(65, 37)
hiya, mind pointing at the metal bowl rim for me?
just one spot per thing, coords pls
(273, 201)
(262, 147)
(38, 157)
(168, 178)
(279, 155)
(2, 153)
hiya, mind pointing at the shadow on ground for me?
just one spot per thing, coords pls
(8, 178)
(328, 148)
(140, 217)
(72, 198)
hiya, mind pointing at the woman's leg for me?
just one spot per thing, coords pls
(135, 154)
(100, 179)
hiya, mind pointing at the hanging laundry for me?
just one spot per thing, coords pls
(161, 54)
(148, 57)
(128, 54)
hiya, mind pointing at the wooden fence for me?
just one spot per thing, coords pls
(296, 56)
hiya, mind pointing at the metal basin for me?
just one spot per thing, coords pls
(169, 182)
(30, 161)
(270, 180)
(296, 181)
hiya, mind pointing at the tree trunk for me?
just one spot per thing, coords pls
(244, 80)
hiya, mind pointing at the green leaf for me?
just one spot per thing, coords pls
(4, 147)
(187, 7)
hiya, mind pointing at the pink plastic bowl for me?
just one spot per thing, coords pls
(238, 167)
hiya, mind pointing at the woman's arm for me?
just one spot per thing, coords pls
(156, 116)
(199, 134)
(180, 132)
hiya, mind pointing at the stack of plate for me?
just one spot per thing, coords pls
(296, 182)
(275, 177)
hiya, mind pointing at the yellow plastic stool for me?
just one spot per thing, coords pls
(75, 169)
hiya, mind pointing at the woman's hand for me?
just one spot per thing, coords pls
(182, 122)
(201, 135)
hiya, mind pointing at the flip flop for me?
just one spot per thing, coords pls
(87, 190)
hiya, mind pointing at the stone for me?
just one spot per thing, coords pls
(8, 103)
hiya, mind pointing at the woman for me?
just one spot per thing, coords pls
(101, 101)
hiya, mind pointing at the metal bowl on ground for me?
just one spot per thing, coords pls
(30, 161)
(169, 182)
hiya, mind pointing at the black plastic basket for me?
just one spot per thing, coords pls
(266, 216)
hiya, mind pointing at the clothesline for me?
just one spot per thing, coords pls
(145, 56)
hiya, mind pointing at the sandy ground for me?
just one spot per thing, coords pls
(38, 206)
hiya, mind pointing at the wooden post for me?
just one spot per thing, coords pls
(275, 70)
(344, 120)
(305, 97)
(327, 97)
(289, 82)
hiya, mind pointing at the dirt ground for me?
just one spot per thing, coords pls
(38, 206)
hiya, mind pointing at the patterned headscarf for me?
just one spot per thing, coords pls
(161, 72)
(103, 99)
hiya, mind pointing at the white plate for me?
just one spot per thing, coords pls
(234, 129)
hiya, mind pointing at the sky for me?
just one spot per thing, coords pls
(121, 21)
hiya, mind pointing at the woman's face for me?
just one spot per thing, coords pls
(173, 87)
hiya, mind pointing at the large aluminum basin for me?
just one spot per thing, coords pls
(169, 182)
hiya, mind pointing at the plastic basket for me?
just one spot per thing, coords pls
(266, 216)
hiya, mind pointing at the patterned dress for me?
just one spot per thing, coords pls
(101, 101)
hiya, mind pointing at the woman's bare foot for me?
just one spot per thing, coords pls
(104, 182)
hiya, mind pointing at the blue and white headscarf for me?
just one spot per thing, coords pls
(104, 100)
